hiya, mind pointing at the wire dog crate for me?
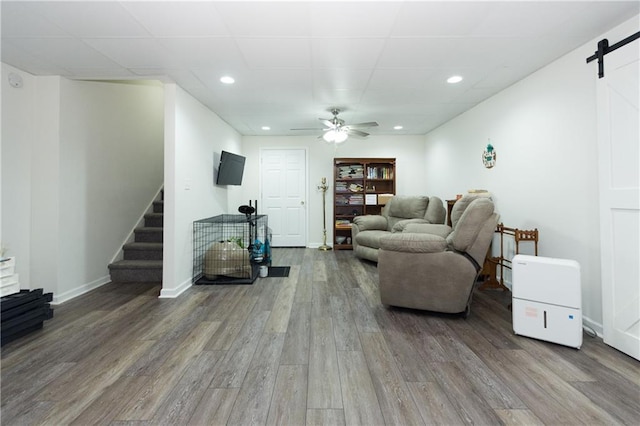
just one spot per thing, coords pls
(229, 248)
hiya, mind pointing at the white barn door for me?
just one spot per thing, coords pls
(283, 183)
(619, 176)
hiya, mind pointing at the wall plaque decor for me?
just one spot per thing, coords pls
(489, 156)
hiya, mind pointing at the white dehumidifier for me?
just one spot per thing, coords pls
(547, 299)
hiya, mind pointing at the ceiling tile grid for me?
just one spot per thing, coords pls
(384, 61)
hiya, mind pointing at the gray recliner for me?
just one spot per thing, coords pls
(435, 267)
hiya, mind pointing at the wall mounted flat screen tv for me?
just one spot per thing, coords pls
(230, 169)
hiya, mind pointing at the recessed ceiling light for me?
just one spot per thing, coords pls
(227, 79)
(397, 127)
(454, 79)
(266, 128)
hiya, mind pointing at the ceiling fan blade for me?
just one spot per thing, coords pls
(363, 125)
(309, 128)
(354, 132)
(326, 122)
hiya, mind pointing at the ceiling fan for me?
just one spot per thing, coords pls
(336, 131)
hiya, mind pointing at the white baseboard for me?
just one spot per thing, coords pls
(172, 293)
(596, 326)
(78, 291)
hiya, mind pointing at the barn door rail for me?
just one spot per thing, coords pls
(604, 48)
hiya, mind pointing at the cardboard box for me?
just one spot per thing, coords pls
(383, 199)
(7, 267)
(9, 285)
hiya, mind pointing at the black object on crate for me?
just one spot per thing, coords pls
(23, 312)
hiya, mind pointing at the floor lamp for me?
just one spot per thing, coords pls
(323, 187)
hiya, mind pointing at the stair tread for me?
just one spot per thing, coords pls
(149, 229)
(141, 245)
(136, 264)
(154, 214)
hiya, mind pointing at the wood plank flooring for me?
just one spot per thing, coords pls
(314, 348)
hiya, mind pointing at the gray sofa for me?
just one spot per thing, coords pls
(435, 267)
(400, 211)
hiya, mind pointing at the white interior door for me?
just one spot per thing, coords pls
(283, 183)
(619, 159)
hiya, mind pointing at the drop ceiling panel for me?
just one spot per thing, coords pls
(353, 79)
(251, 19)
(293, 60)
(92, 18)
(178, 18)
(353, 19)
(440, 19)
(351, 53)
(63, 52)
(275, 52)
(199, 52)
(20, 20)
(135, 52)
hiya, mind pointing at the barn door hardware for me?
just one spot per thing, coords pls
(604, 48)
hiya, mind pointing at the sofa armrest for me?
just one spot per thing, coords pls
(428, 228)
(402, 225)
(413, 243)
(368, 222)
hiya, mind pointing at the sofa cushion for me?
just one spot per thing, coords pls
(371, 238)
(470, 224)
(429, 228)
(401, 225)
(413, 243)
(436, 213)
(408, 207)
(461, 205)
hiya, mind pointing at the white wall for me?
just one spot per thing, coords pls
(544, 132)
(408, 151)
(111, 167)
(18, 132)
(81, 162)
(194, 136)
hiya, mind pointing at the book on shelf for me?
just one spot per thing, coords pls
(353, 171)
(371, 199)
(379, 172)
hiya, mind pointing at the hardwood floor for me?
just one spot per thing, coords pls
(313, 348)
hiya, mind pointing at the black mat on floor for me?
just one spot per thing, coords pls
(279, 271)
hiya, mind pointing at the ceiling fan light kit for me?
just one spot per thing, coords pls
(336, 131)
(335, 136)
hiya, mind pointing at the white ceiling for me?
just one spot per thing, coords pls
(293, 61)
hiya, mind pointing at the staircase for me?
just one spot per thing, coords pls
(143, 258)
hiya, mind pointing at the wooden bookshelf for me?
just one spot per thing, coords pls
(360, 186)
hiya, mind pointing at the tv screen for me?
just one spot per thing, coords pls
(230, 169)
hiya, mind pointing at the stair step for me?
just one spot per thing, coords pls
(148, 235)
(153, 220)
(136, 271)
(142, 251)
(158, 206)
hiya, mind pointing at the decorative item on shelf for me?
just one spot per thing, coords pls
(489, 156)
(323, 187)
(355, 187)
